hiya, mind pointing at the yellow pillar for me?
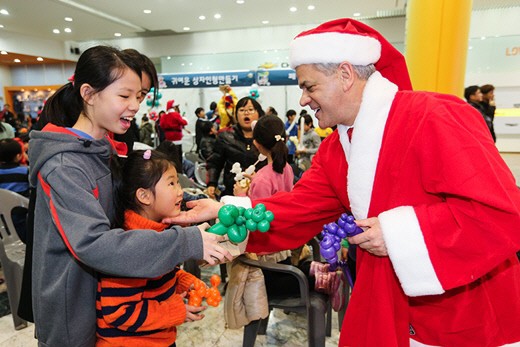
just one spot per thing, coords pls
(437, 33)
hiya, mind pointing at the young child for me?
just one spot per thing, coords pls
(269, 138)
(13, 176)
(74, 240)
(140, 311)
(310, 140)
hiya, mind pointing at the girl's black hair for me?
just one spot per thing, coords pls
(242, 102)
(308, 120)
(148, 67)
(98, 66)
(269, 131)
(132, 173)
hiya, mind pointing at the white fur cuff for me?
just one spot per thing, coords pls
(408, 253)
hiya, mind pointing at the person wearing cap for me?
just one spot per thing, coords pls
(172, 124)
(436, 263)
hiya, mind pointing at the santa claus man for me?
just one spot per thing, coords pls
(420, 173)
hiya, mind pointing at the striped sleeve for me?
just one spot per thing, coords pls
(139, 305)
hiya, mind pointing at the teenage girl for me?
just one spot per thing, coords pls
(140, 311)
(148, 80)
(73, 238)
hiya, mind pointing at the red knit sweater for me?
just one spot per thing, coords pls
(139, 311)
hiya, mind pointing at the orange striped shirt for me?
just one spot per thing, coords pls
(139, 311)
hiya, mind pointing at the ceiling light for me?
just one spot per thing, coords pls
(483, 38)
(68, 19)
(182, 64)
(67, 30)
(3, 52)
(17, 60)
(357, 14)
(311, 7)
(265, 22)
(4, 12)
(470, 47)
(240, 2)
(1, 26)
(217, 16)
(147, 11)
(293, 9)
(117, 34)
(186, 28)
(202, 17)
(39, 59)
(168, 57)
(56, 31)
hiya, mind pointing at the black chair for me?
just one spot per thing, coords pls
(315, 305)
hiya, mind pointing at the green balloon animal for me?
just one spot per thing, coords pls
(235, 221)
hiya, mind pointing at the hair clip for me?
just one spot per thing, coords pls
(147, 154)
(278, 138)
(71, 79)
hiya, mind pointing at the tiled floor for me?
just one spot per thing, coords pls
(288, 330)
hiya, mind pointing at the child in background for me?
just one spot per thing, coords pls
(74, 240)
(13, 176)
(246, 300)
(310, 141)
(269, 138)
(147, 192)
(146, 131)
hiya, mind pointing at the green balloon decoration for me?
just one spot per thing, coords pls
(235, 221)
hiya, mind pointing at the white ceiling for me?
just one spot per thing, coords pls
(100, 19)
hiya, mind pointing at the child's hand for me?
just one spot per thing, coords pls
(193, 313)
(238, 190)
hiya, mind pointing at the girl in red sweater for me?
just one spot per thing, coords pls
(144, 311)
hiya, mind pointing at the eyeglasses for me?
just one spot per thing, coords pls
(249, 110)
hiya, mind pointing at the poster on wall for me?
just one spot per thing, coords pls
(207, 80)
(245, 78)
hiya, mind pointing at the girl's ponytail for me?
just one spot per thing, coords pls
(279, 153)
(269, 131)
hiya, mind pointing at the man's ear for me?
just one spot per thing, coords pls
(86, 91)
(346, 74)
(144, 196)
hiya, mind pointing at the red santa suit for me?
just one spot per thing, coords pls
(172, 124)
(449, 210)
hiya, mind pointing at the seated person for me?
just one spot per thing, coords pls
(14, 177)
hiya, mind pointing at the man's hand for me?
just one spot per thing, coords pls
(371, 239)
(200, 211)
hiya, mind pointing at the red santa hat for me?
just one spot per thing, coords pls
(170, 104)
(352, 41)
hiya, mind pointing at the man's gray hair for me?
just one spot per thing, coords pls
(362, 71)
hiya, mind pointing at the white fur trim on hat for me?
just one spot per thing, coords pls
(334, 47)
(408, 252)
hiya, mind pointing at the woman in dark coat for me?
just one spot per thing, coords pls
(234, 145)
